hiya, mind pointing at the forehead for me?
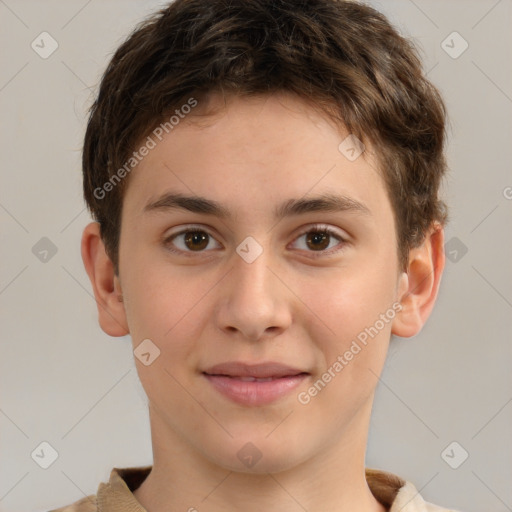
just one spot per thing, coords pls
(247, 151)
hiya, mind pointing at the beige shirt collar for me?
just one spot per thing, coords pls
(393, 492)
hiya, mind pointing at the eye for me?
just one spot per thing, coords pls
(190, 240)
(319, 239)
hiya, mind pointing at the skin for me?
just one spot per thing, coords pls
(287, 306)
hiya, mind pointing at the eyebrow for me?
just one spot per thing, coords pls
(320, 203)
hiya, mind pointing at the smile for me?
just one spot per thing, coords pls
(254, 385)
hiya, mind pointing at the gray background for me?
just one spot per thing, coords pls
(65, 382)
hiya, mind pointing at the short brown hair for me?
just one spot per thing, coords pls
(341, 56)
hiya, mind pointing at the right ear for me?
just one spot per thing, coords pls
(106, 285)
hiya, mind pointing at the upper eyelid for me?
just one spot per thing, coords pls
(187, 228)
(322, 227)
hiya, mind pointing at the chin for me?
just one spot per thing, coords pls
(257, 455)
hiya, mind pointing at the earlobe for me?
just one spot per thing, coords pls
(420, 285)
(105, 284)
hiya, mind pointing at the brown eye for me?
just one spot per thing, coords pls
(189, 241)
(317, 240)
(321, 240)
(196, 240)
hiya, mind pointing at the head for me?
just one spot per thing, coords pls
(241, 111)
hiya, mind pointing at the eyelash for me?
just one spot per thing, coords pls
(317, 228)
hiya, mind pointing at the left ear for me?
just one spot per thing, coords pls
(421, 284)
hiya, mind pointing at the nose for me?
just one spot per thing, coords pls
(254, 302)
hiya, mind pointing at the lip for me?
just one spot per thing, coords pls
(243, 384)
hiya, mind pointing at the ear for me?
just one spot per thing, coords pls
(420, 284)
(106, 285)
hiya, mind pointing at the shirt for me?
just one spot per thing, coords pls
(393, 492)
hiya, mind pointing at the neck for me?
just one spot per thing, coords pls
(183, 480)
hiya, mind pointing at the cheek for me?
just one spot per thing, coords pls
(348, 301)
(347, 307)
(351, 339)
(166, 306)
(158, 295)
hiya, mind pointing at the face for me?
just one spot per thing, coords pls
(297, 308)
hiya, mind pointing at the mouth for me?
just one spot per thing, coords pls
(254, 384)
